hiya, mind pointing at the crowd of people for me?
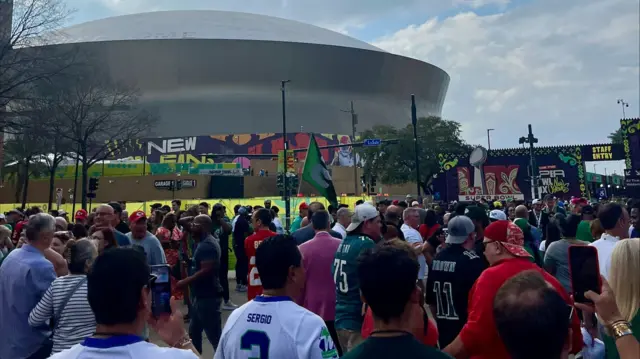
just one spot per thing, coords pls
(388, 279)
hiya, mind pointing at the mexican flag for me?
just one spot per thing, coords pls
(316, 174)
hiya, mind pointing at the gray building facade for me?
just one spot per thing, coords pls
(213, 72)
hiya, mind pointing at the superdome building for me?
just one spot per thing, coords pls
(215, 72)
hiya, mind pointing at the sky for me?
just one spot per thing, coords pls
(559, 65)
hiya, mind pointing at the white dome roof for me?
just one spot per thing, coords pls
(214, 25)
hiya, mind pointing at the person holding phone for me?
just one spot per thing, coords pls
(625, 283)
(556, 257)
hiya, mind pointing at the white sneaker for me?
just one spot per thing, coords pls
(241, 288)
(228, 305)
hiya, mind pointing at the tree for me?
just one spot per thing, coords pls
(93, 113)
(22, 151)
(395, 163)
(27, 26)
(616, 137)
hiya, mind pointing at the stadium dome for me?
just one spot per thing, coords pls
(205, 25)
(216, 72)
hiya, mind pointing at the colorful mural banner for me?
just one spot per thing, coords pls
(506, 172)
(194, 149)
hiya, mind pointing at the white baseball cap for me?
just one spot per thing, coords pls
(363, 212)
(498, 215)
(535, 201)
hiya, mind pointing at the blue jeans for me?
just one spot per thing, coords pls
(205, 315)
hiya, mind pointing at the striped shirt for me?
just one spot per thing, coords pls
(76, 319)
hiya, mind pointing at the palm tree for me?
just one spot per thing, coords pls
(616, 137)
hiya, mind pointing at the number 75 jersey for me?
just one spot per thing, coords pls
(275, 328)
(345, 275)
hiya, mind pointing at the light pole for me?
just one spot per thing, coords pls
(354, 122)
(489, 138)
(287, 200)
(414, 122)
(532, 160)
(623, 104)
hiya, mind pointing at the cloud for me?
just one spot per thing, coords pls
(558, 65)
(476, 4)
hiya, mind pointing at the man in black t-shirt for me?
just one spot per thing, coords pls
(451, 276)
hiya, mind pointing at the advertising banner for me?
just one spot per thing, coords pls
(195, 149)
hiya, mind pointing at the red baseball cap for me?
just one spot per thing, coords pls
(81, 214)
(509, 234)
(580, 201)
(18, 230)
(303, 205)
(136, 216)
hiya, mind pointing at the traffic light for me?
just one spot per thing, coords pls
(178, 185)
(93, 184)
(280, 181)
(294, 183)
(373, 181)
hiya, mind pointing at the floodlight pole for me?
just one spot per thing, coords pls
(414, 122)
(287, 199)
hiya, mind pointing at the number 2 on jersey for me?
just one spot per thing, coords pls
(343, 285)
(256, 338)
(447, 290)
(254, 276)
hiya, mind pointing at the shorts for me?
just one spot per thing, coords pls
(348, 339)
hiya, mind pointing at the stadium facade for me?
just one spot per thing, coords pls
(214, 72)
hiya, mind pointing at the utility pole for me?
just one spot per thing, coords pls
(287, 200)
(489, 138)
(532, 161)
(623, 105)
(354, 122)
(414, 122)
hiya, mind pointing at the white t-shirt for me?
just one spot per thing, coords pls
(118, 348)
(413, 237)
(605, 245)
(275, 327)
(340, 229)
(278, 224)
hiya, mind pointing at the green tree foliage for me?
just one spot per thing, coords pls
(616, 137)
(395, 163)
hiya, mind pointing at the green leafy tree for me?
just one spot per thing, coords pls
(616, 137)
(395, 163)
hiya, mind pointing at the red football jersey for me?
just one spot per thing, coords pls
(252, 242)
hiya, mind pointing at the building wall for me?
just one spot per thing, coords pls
(141, 188)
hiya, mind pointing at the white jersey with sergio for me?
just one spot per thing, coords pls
(275, 328)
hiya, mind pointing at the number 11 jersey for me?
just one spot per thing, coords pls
(451, 276)
(275, 328)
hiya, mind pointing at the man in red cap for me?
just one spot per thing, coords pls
(303, 210)
(504, 249)
(577, 204)
(81, 216)
(139, 236)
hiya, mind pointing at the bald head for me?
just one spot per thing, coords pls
(522, 212)
(104, 216)
(314, 207)
(203, 220)
(61, 224)
(396, 209)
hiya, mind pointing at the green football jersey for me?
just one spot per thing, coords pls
(345, 275)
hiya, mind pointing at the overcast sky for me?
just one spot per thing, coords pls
(559, 65)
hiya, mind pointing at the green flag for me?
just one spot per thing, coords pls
(315, 173)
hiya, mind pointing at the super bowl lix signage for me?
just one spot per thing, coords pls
(487, 182)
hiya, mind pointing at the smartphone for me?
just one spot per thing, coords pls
(161, 290)
(585, 272)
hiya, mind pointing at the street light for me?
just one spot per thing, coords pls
(287, 200)
(489, 138)
(623, 104)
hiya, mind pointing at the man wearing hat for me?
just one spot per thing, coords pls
(81, 216)
(362, 234)
(504, 249)
(267, 203)
(139, 236)
(302, 213)
(497, 215)
(583, 233)
(453, 272)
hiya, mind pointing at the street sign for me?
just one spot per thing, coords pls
(601, 192)
(632, 173)
(371, 142)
